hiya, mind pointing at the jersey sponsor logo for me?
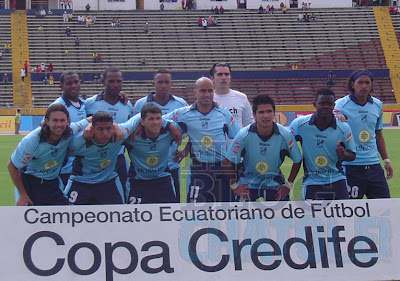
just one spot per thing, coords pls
(206, 141)
(26, 158)
(261, 167)
(152, 161)
(364, 136)
(348, 138)
(236, 147)
(364, 118)
(291, 142)
(320, 143)
(105, 163)
(50, 164)
(321, 161)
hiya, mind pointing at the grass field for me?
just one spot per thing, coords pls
(8, 144)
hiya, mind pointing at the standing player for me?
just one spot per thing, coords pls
(167, 103)
(263, 146)
(206, 125)
(325, 141)
(235, 101)
(93, 179)
(365, 175)
(110, 100)
(70, 86)
(149, 178)
(36, 162)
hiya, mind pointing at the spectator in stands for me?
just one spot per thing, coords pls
(313, 17)
(77, 41)
(309, 4)
(199, 20)
(295, 67)
(45, 80)
(272, 10)
(26, 66)
(42, 13)
(261, 9)
(38, 69)
(216, 10)
(96, 78)
(300, 18)
(87, 7)
(143, 61)
(194, 5)
(42, 67)
(306, 17)
(393, 10)
(5, 78)
(162, 7)
(1, 55)
(284, 10)
(66, 53)
(51, 79)
(267, 8)
(81, 78)
(22, 73)
(50, 67)
(7, 48)
(282, 5)
(204, 23)
(98, 57)
(210, 21)
(40, 28)
(70, 16)
(215, 21)
(81, 20)
(221, 10)
(68, 32)
(147, 29)
(65, 16)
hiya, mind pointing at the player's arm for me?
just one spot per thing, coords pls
(23, 199)
(180, 154)
(230, 171)
(344, 154)
(380, 143)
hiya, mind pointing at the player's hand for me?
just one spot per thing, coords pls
(24, 200)
(179, 155)
(341, 117)
(243, 192)
(137, 132)
(175, 134)
(339, 150)
(281, 192)
(118, 134)
(123, 97)
(88, 132)
(389, 171)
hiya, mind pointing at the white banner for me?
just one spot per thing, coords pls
(337, 240)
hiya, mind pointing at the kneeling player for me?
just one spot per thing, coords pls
(263, 146)
(148, 179)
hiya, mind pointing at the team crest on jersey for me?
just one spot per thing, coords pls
(364, 118)
(204, 124)
(321, 161)
(153, 146)
(236, 147)
(103, 154)
(263, 150)
(104, 163)
(206, 141)
(152, 161)
(114, 115)
(261, 167)
(320, 143)
(50, 164)
(54, 151)
(364, 136)
(26, 158)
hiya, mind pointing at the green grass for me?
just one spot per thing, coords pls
(8, 144)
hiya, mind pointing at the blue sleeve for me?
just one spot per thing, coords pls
(294, 127)
(348, 138)
(233, 127)
(379, 122)
(235, 149)
(79, 126)
(138, 106)
(129, 126)
(24, 151)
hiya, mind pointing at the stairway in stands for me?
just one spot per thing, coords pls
(19, 54)
(390, 46)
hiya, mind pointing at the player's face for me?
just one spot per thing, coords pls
(102, 132)
(113, 83)
(71, 86)
(221, 78)
(162, 83)
(362, 86)
(204, 92)
(57, 122)
(264, 115)
(324, 106)
(152, 124)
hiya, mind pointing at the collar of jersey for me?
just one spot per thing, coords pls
(353, 98)
(194, 106)
(151, 94)
(68, 102)
(253, 129)
(333, 123)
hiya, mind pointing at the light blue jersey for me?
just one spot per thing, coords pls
(149, 157)
(321, 163)
(35, 156)
(364, 120)
(262, 156)
(75, 115)
(206, 131)
(96, 163)
(173, 103)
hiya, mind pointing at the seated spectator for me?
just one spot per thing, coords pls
(199, 21)
(204, 23)
(1, 55)
(117, 22)
(272, 9)
(7, 48)
(284, 10)
(221, 10)
(142, 61)
(51, 79)
(212, 11)
(162, 7)
(40, 28)
(70, 16)
(77, 41)
(66, 53)
(393, 10)
(68, 32)
(216, 10)
(45, 80)
(261, 9)
(313, 17)
(50, 67)
(89, 22)
(92, 19)
(87, 7)
(42, 67)
(81, 20)
(147, 28)
(65, 16)
(99, 58)
(38, 69)
(81, 78)
(96, 78)
(94, 55)
(215, 21)
(5, 78)
(300, 18)
(210, 21)
(282, 5)
(42, 13)
(267, 9)
(306, 17)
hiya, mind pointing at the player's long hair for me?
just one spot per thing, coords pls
(350, 79)
(45, 132)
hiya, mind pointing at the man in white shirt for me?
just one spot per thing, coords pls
(235, 101)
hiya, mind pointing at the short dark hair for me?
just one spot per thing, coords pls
(110, 69)
(219, 64)
(45, 132)
(354, 73)
(161, 71)
(324, 92)
(101, 116)
(65, 73)
(149, 108)
(262, 99)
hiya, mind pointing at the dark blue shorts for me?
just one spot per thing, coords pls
(208, 183)
(109, 192)
(334, 191)
(158, 190)
(367, 180)
(122, 170)
(175, 174)
(44, 192)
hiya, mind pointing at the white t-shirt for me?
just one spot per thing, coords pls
(238, 104)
